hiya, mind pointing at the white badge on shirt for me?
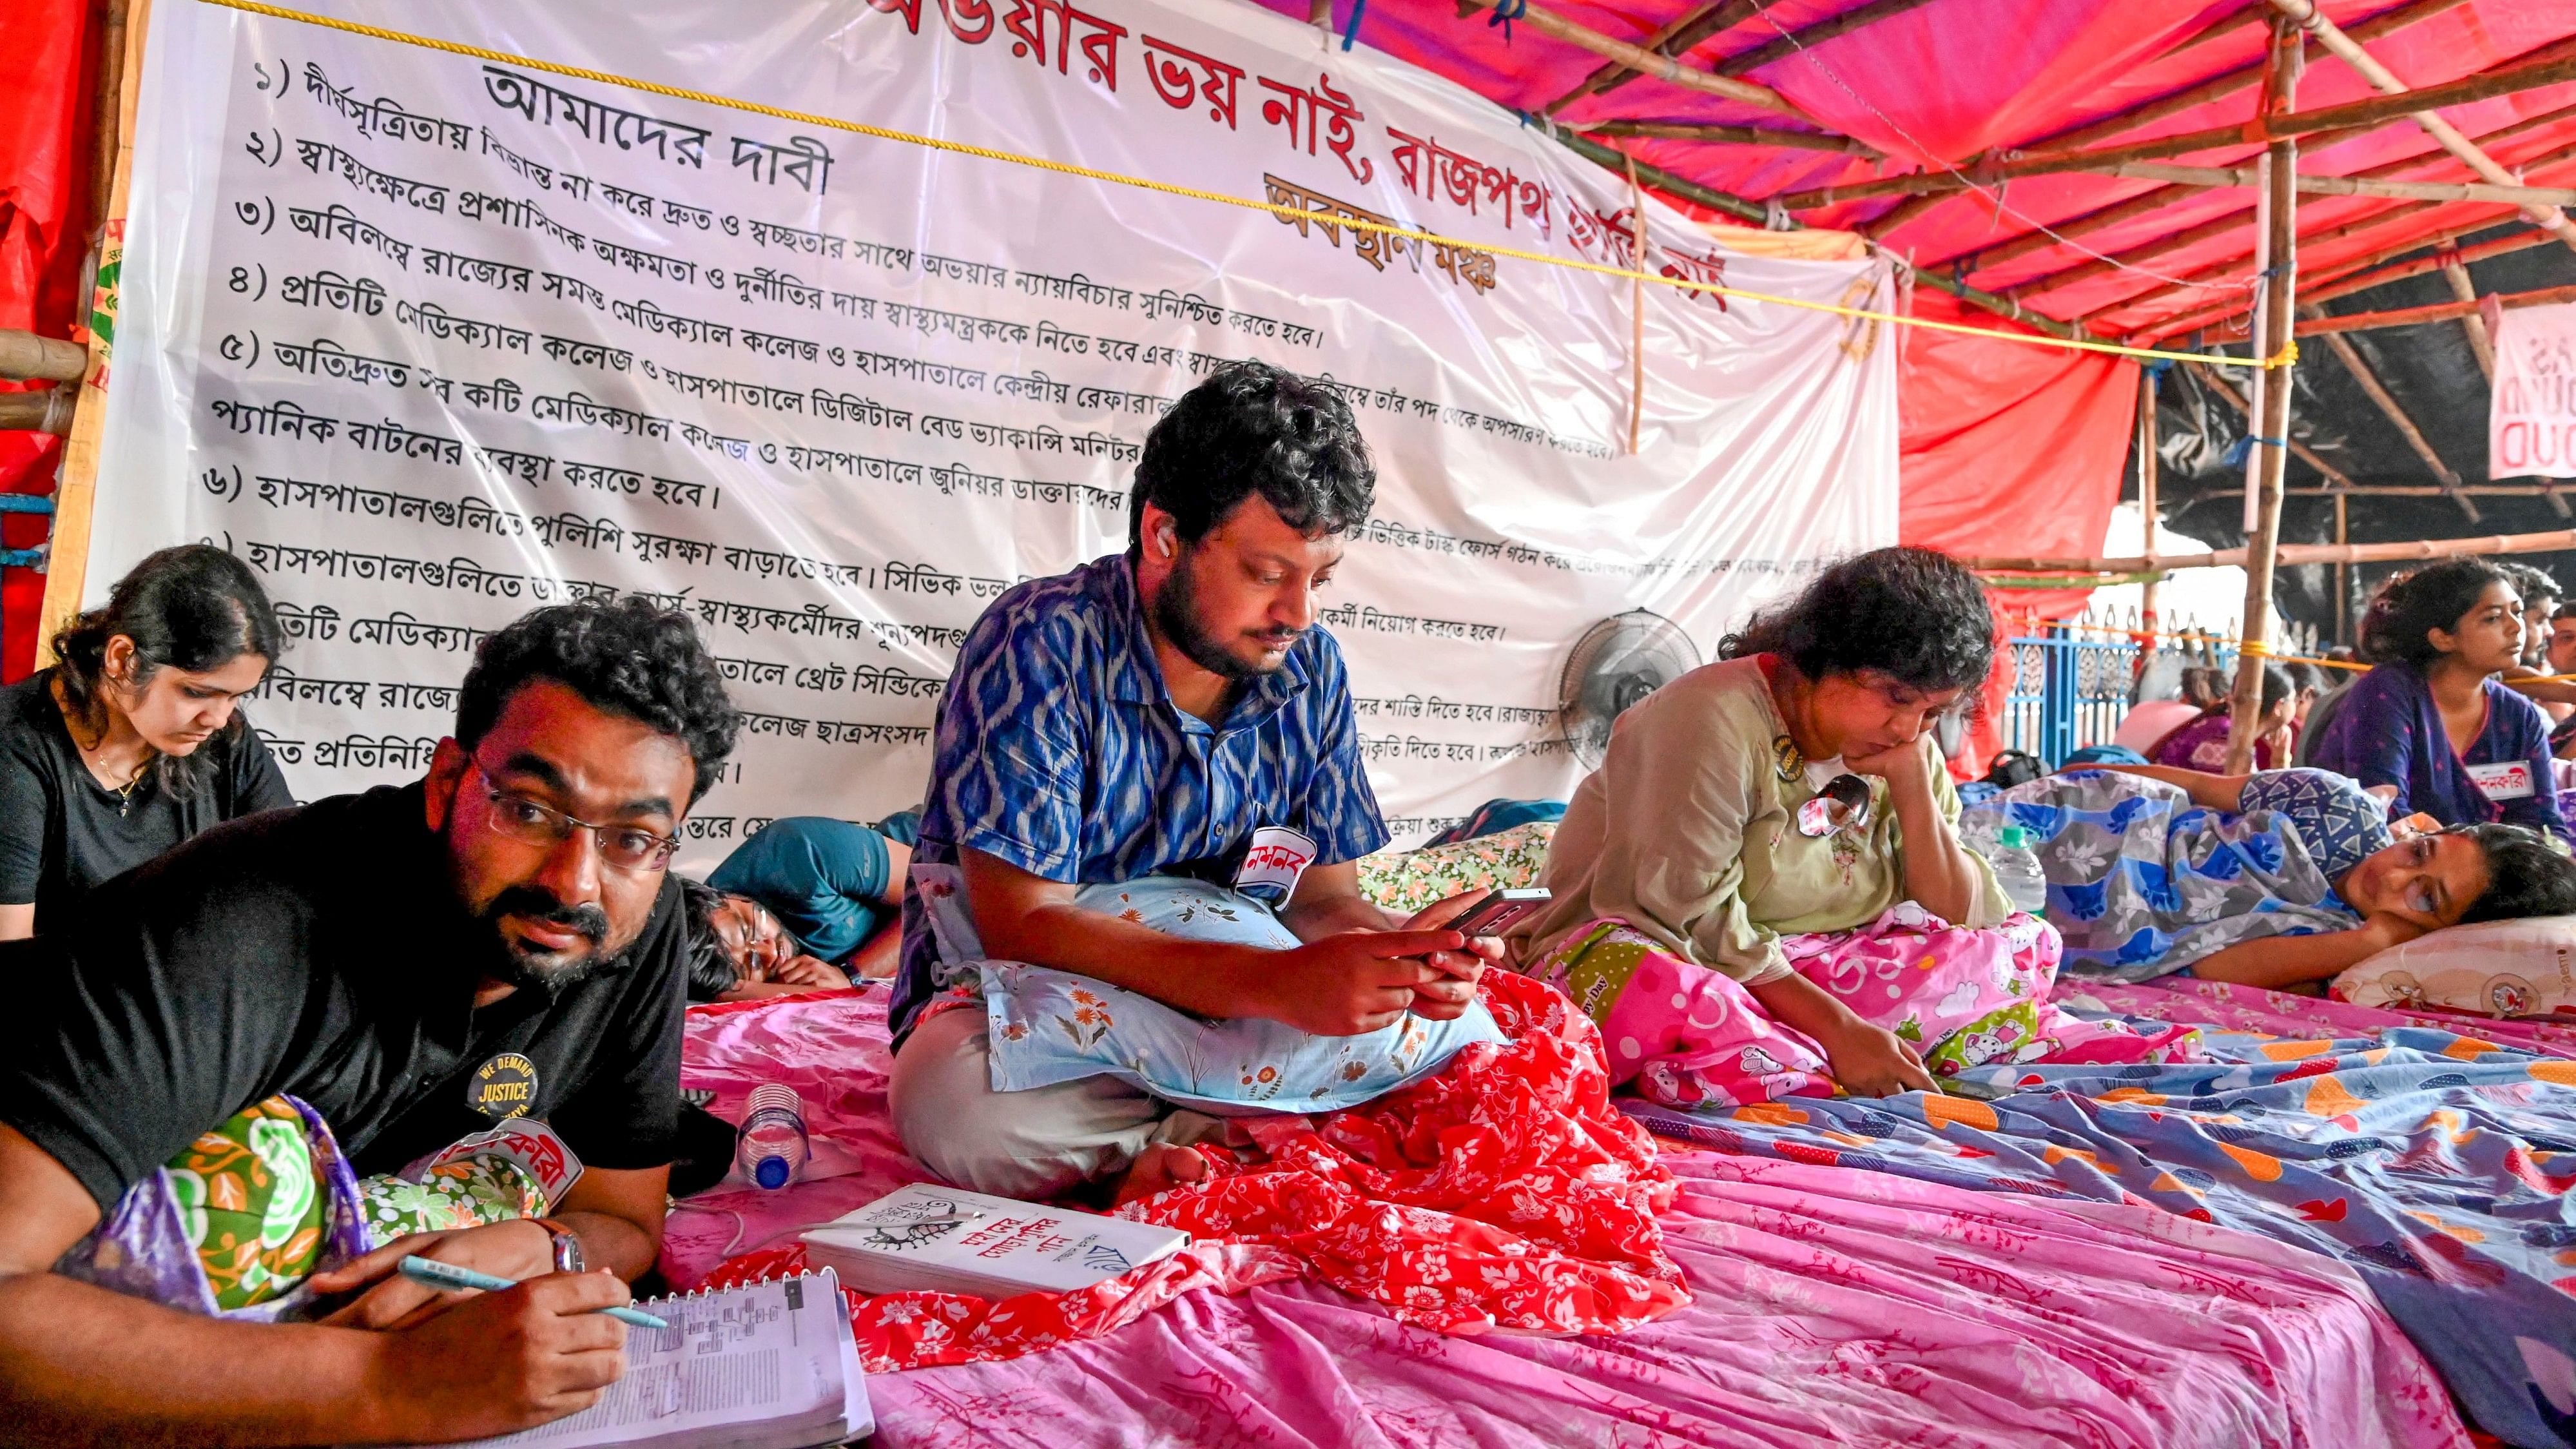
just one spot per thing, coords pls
(1278, 857)
(2508, 780)
(522, 1140)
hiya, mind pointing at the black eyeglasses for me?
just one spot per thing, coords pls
(622, 847)
(1842, 805)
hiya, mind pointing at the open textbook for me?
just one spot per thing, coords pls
(948, 1240)
(771, 1366)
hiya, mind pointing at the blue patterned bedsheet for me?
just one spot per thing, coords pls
(2435, 1165)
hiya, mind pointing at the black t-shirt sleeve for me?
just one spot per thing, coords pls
(257, 782)
(26, 813)
(627, 1114)
(148, 1026)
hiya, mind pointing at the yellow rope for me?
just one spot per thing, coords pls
(2285, 357)
(2258, 650)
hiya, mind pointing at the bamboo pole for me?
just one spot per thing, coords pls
(2148, 465)
(2380, 396)
(2306, 14)
(2354, 116)
(67, 558)
(2301, 451)
(2244, 78)
(2200, 278)
(2426, 490)
(2292, 555)
(2342, 575)
(2432, 312)
(26, 357)
(1661, 67)
(2145, 203)
(2356, 281)
(1675, 39)
(1636, 308)
(2360, 274)
(2465, 290)
(2168, 195)
(1733, 136)
(1716, 200)
(2436, 191)
(1783, 46)
(2281, 205)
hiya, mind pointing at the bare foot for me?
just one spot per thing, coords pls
(1161, 1165)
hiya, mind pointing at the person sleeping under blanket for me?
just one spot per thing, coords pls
(2276, 879)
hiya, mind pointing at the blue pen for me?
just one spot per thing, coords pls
(436, 1274)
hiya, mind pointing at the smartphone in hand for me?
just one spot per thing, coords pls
(1499, 911)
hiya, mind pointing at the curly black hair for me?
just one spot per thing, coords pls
(1912, 614)
(2410, 606)
(1253, 428)
(626, 656)
(2528, 874)
(711, 972)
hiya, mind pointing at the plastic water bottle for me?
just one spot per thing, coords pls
(2017, 870)
(771, 1150)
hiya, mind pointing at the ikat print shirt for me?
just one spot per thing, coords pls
(1060, 751)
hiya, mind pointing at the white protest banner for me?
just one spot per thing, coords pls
(2531, 422)
(430, 339)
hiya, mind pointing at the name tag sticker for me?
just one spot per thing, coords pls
(525, 1141)
(2509, 780)
(1278, 857)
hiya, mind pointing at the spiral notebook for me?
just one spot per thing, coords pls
(771, 1366)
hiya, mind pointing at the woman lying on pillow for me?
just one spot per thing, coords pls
(2271, 879)
(1789, 790)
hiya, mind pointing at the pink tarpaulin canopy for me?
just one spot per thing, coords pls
(1998, 446)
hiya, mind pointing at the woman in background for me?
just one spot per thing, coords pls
(2201, 743)
(2430, 728)
(133, 742)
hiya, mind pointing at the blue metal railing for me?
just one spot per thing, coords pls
(2071, 688)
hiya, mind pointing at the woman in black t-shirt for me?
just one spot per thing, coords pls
(133, 743)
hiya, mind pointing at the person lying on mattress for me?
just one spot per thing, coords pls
(2430, 727)
(440, 1019)
(738, 950)
(1792, 789)
(1134, 906)
(2273, 879)
(830, 887)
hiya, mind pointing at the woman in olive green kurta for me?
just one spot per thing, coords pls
(1690, 835)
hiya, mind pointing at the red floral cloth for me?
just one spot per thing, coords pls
(1505, 1191)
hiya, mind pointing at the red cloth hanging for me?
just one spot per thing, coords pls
(48, 74)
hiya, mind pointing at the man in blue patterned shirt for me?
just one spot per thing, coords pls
(1162, 739)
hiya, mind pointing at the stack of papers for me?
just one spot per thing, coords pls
(771, 1366)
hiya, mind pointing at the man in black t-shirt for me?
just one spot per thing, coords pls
(384, 958)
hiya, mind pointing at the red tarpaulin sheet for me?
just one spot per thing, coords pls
(2008, 449)
(46, 74)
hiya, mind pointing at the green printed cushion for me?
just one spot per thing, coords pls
(251, 1203)
(484, 1187)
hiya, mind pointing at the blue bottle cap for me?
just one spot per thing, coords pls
(770, 1172)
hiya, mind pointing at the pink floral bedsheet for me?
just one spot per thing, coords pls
(1830, 1306)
